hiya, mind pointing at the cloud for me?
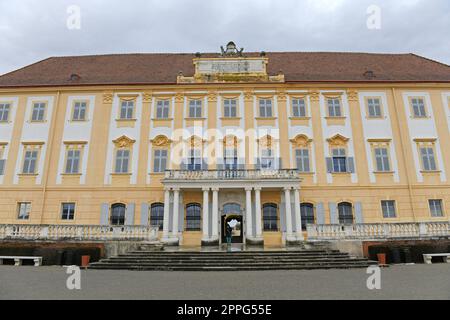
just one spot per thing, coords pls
(31, 30)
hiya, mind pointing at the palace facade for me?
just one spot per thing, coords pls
(285, 146)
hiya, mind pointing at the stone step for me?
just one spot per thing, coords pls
(234, 264)
(206, 260)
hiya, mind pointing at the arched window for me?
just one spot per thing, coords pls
(193, 217)
(231, 208)
(345, 213)
(157, 215)
(118, 214)
(270, 217)
(307, 213)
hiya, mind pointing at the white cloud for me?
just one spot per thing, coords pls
(32, 30)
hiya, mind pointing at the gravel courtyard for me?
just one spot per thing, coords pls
(397, 282)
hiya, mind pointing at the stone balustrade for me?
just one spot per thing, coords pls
(237, 174)
(77, 232)
(368, 231)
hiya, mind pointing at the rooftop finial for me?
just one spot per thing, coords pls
(231, 50)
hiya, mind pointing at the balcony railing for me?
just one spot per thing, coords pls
(378, 231)
(77, 232)
(237, 174)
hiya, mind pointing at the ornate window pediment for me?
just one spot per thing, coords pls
(266, 141)
(338, 140)
(160, 141)
(123, 142)
(195, 141)
(230, 141)
(301, 140)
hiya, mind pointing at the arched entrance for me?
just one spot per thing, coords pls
(232, 215)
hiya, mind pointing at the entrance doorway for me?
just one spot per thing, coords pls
(235, 221)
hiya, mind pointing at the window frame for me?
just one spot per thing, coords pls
(301, 158)
(333, 107)
(230, 108)
(344, 217)
(159, 221)
(162, 107)
(122, 160)
(265, 104)
(424, 105)
(68, 216)
(380, 106)
(195, 108)
(389, 214)
(428, 147)
(119, 218)
(160, 158)
(383, 157)
(305, 217)
(337, 160)
(127, 108)
(44, 111)
(32, 149)
(2, 111)
(27, 208)
(432, 210)
(193, 222)
(299, 107)
(273, 225)
(74, 108)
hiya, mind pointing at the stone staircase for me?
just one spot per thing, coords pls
(232, 261)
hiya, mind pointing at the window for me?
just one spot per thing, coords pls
(298, 108)
(118, 214)
(79, 111)
(418, 107)
(193, 217)
(162, 109)
(38, 111)
(195, 159)
(436, 207)
(229, 108)
(2, 161)
(23, 210)
(230, 158)
(265, 108)
(267, 159)
(29, 163)
(4, 111)
(339, 160)
(67, 211)
(334, 107)
(160, 160)
(157, 215)
(382, 159)
(307, 214)
(345, 213)
(72, 161)
(233, 208)
(388, 208)
(270, 217)
(374, 107)
(195, 109)
(122, 160)
(302, 160)
(428, 160)
(126, 110)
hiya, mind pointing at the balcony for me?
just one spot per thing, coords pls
(77, 232)
(379, 231)
(234, 174)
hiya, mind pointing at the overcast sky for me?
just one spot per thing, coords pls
(31, 30)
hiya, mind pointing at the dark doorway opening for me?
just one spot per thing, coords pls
(238, 229)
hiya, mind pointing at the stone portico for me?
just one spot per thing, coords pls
(240, 187)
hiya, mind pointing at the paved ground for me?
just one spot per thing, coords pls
(397, 282)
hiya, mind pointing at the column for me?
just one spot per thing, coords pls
(205, 226)
(298, 215)
(176, 211)
(248, 212)
(287, 202)
(258, 212)
(215, 214)
(166, 213)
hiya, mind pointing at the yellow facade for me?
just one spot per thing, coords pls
(410, 186)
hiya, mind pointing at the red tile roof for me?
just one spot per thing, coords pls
(125, 69)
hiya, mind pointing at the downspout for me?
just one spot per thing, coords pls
(48, 153)
(405, 163)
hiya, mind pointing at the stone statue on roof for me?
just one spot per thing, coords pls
(231, 50)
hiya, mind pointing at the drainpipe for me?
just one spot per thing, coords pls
(403, 148)
(51, 135)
